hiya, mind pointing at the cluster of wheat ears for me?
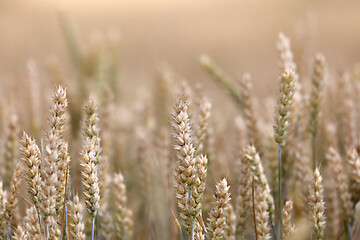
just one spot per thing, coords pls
(158, 175)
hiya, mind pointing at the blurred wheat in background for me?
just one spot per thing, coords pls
(166, 120)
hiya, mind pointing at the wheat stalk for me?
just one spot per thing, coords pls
(316, 99)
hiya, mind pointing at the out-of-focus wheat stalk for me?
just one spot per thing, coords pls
(249, 112)
(3, 230)
(203, 122)
(342, 187)
(12, 198)
(11, 148)
(121, 225)
(353, 160)
(316, 101)
(243, 200)
(222, 79)
(230, 228)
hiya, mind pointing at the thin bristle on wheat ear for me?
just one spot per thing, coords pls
(217, 216)
(185, 171)
(317, 206)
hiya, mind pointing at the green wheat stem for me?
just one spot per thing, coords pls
(280, 190)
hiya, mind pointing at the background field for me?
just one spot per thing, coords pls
(239, 35)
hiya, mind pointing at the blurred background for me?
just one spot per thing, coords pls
(128, 43)
(239, 35)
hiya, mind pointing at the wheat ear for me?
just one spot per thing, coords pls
(203, 122)
(230, 228)
(261, 212)
(217, 216)
(243, 200)
(32, 162)
(12, 198)
(90, 181)
(342, 187)
(289, 229)
(32, 226)
(249, 112)
(76, 224)
(50, 181)
(185, 171)
(353, 161)
(3, 230)
(222, 79)
(256, 168)
(199, 186)
(121, 211)
(20, 234)
(317, 206)
(10, 148)
(315, 101)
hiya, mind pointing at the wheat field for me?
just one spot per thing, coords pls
(176, 137)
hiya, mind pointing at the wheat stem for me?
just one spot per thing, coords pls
(280, 190)
(92, 227)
